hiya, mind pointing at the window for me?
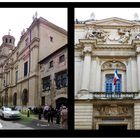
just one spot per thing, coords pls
(10, 41)
(46, 83)
(51, 64)
(25, 68)
(61, 58)
(61, 79)
(26, 42)
(51, 39)
(6, 40)
(109, 84)
(16, 76)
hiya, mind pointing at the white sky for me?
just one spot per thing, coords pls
(102, 13)
(18, 19)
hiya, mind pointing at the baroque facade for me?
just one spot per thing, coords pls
(20, 67)
(100, 47)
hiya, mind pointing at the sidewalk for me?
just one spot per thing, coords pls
(43, 121)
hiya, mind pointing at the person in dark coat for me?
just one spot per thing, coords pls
(50, 114)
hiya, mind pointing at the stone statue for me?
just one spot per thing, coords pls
(124, 35)
(137, 36)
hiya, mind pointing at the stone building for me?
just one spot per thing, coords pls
(19, 65)
(100, 47)
(54, 78)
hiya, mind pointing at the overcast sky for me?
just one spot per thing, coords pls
(102, 13)
(18, 19)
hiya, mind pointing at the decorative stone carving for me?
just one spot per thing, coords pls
(112, 110)
(113, 65)
(100, 35)
(137, 36)
(124, 35)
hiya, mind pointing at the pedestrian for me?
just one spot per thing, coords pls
(40, 111)
(57, 116)
(50, 115)
(64, 117)
(45, 111)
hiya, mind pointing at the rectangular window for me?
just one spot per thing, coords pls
(51, 64)
(51, 39)
(26, 42)
(46, 83)
(61, 79)
(25, 68)
(16, 76)
(61, 58)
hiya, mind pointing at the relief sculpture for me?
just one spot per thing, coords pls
(101, 35)
(109, 110)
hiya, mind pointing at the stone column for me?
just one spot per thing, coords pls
(93, 75)
(128, 76)
(98, 75)
(134, 75)
(86, 67)
(138, 66)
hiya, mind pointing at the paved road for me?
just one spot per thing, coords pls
(27, 123)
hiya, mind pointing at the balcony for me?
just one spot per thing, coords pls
(117, 95)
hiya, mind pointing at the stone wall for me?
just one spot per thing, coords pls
(83, 115)
(137, 116)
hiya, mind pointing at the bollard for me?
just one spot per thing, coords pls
(28, 113)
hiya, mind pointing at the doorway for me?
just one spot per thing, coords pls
(113, 127)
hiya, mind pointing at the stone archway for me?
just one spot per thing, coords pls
(25, 97)
(61, 101)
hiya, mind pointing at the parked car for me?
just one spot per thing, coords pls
(9, 113)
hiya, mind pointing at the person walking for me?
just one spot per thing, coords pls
(45, 112)
(64, 117)
(40, 111)
(50, 115)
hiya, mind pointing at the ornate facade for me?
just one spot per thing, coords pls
(100, 47)
(21, 85)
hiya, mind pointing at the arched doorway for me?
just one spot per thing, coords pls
(25, 97)
(15, 99)
(61, 101)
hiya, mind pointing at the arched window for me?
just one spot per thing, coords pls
(15, 99)
(109, 83)
(25, 97)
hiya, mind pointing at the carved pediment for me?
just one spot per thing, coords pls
(114, 21)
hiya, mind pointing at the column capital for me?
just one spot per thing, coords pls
(87, 49)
